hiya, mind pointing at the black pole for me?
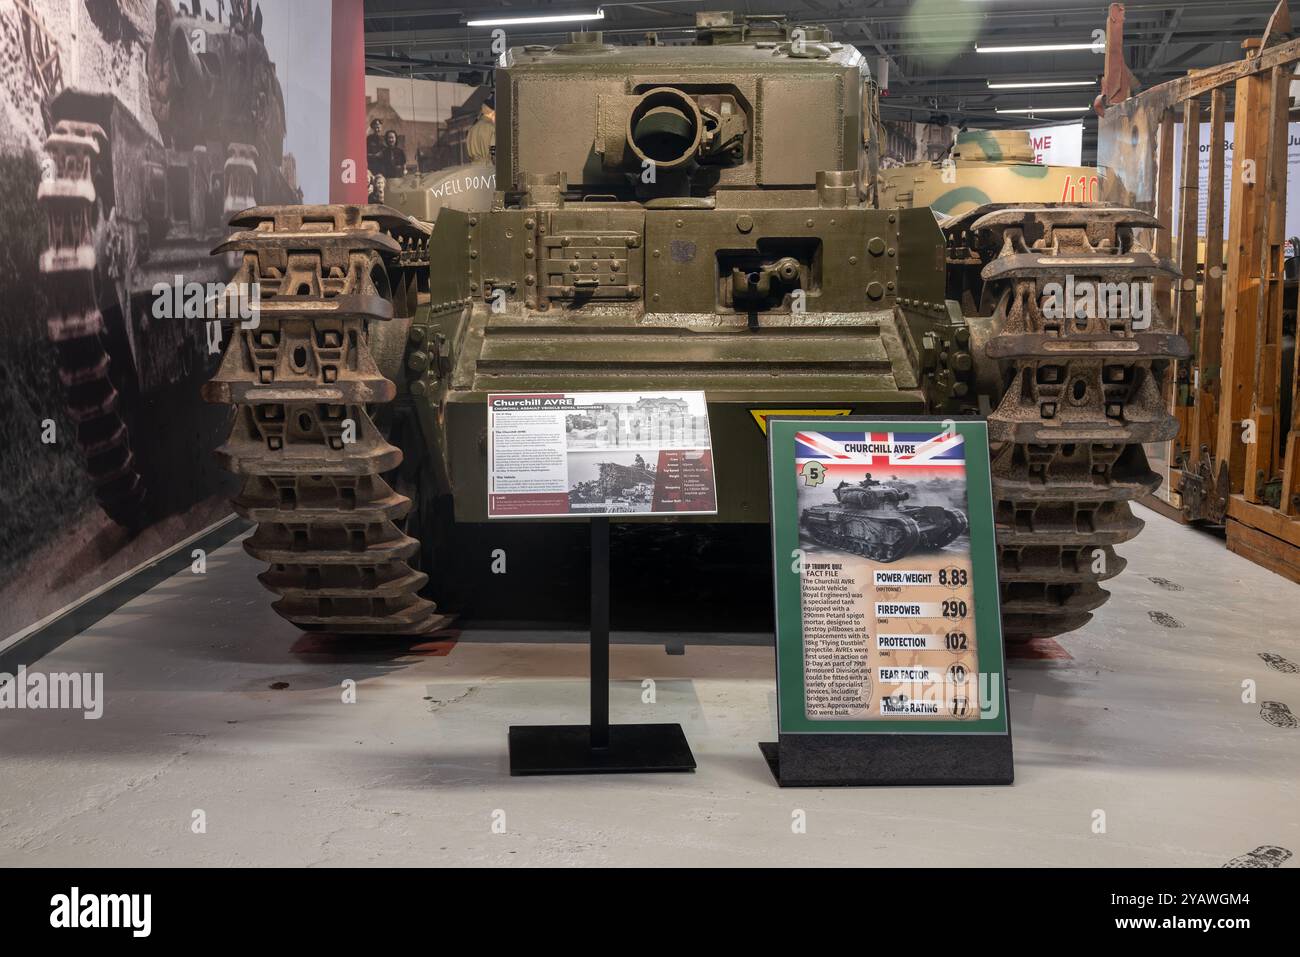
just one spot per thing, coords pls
(600, 632)
(597, 747)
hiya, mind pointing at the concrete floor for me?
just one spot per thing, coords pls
(1145, 723)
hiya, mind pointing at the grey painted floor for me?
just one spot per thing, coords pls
(1146, 723)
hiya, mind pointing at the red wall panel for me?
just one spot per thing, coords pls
(348, 103)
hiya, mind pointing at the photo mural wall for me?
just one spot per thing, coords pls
(130, 131)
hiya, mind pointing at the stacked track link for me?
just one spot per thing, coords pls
(67, 196)
(304, 385)
(1081, 395)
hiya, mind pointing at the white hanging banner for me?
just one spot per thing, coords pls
(1058, 145)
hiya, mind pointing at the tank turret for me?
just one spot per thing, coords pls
(869, 494)
(771, 111)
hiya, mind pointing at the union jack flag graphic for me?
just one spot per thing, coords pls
(881, 448)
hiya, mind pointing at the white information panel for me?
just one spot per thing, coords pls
(599, 453)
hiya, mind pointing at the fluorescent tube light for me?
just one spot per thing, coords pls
(1043, 48)
(1050, 109)
(539, 18)
(1039, 84)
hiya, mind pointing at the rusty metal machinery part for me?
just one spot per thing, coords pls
(1079, 396)
(76, 327)
(1205, 490)
(304, 385)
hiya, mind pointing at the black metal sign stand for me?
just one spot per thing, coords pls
(849, 760)
(599, 748)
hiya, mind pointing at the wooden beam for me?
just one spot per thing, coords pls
(1245, 253)
(1203, 81)
(1264, 549)
(1279, 24)
(1290, 501)
(1266, 377)
(1189, 194)
(1265, 536)
(1291, 464)
(1165, 213)
(1117, 79)
(1209, 349)
(1265, 519)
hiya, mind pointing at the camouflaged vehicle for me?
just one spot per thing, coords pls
(675, 217)
(986, 166)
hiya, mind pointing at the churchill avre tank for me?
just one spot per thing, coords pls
(678, 217)
(870, 518)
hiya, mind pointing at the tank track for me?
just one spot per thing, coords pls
(304, 385)
(955, 525)
(1079, 398)
(827, 528)
(76, 325)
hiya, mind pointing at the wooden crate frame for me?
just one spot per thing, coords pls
(1232, 444)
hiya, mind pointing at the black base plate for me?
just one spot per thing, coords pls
(860, 760)
(566, 749)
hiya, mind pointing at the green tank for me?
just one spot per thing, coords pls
(694, 217)
(469, 187)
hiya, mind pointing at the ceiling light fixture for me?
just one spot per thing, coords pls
(1039, 84)
(1043, 48)
(539, 18)
(1049, 109)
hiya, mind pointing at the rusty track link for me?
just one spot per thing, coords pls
(1080, 396)
(76, 325)
(303, 383)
